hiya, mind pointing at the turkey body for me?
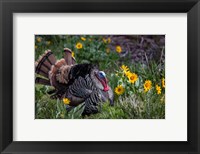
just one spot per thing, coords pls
(80, 83)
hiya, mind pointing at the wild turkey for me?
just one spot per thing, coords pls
(80, 83)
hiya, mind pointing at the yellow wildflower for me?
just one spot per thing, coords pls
(158, 89)
(125, 68)
(119, 90)
(36, 46)
(66, 101)
(48, 42)
(83, 38)
(73, 54)
(109, 40)
(79, 46)
(107, 50)
(132, 77)
(104, 40)
(118, 49)
(147, 85)
(163, 82)
(39, 39)
(62, 116)
(128, 73)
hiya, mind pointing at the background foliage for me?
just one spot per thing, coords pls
(143, 55)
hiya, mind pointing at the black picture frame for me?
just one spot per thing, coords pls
(8, 7)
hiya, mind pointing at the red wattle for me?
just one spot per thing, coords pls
(106, 88)
(105, 85)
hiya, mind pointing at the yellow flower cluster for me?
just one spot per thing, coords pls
(39, 39)
(131, 76)
(108, 40)
(158, 89)
(107, 50)
(83, 38)
(147, 85)
(163, 82)
(48, 42)
(118, 49)
(66, 101)
(125, 68)
(79, 45)
(119, 90)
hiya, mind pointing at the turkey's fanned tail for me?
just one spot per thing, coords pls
(54, 72)
(44, 63)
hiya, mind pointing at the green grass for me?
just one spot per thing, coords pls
(134, 103)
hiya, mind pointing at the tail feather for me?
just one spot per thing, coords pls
(42, 73)
(73, 61)
(52, 59)
(42, 67)
(47, 63)
(44, 64)
(68, 57)
(42, 81)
